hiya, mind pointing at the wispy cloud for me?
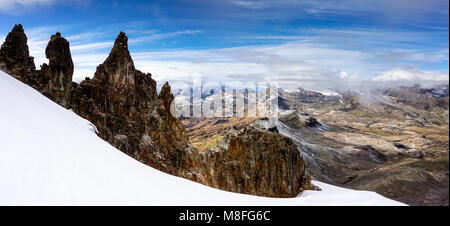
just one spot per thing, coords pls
(273, 37)
(412, 74)
(13, 4)
(20, 6)
(387, 12)
(386, 7)
(251, 4)
(92, 46)
(158, 36)
(86, 36)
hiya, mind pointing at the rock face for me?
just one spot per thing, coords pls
(14, 55)
(256, 162)
(123, 104)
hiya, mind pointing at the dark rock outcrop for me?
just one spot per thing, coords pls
(416, 153)
(256, 162)
(14, 55)
(401, 146)
(373, 154)
(299, 119)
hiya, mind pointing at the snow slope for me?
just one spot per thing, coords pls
(51, 156)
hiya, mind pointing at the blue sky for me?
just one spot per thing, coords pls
(312, 41)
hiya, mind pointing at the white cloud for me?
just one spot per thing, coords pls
(158, 36)
(86, 36)
(11, 4)
(20, 6)
(412, 75)
(251, 4)
(92, 46)
(390, 10)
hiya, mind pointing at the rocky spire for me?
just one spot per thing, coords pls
(120, 49)
(58, 53)
(56, 77)
(166, 96)
(118, 68)
(121, 41)
(14, 54)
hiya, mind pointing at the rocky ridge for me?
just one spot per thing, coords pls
(122, 102)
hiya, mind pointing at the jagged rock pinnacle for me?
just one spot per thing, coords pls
(58, 52)
(166, 96)
(118, 68)
(121, 41)
(57, 75)
(17, 28)
(120, 49)
(55, 36)
(14, 54)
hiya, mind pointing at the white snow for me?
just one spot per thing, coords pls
(51, 156)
